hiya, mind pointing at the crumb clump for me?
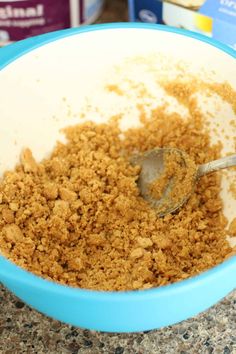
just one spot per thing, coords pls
(175, 183)
(77, 217)
(232, 228)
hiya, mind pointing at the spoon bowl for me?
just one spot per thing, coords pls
(177, 190)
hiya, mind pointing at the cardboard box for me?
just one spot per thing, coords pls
(213, 18)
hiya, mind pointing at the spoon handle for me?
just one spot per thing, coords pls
(228, 161)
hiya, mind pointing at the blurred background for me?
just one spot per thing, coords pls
(21, 19)
(114, 10)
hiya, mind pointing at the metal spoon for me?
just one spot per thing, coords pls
(152, 167)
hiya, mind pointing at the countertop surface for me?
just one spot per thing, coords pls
(23, 330)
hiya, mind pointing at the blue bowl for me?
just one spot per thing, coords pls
(130, 311)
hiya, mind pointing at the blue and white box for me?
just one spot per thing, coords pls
(213, 18)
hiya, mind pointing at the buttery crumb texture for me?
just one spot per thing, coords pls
(179, 173)
(77, 217)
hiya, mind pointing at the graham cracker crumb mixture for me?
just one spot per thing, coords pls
(225, 91)
(179, 172)
(77, 217)
(232, 228)
(184, 91)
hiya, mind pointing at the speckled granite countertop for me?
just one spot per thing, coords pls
(23, 330)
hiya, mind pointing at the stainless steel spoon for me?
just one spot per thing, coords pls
(152, 167)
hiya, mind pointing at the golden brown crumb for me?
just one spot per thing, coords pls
(78, 218)
(232, 228)
(225, 91)
(50, 191)
(12, 233)
(8, 215)
(115, 89)
(28, 161)
(179, 173)
(182, 91)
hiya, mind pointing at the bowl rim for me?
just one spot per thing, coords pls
(13, 51)
(17, 274)
(11, 271)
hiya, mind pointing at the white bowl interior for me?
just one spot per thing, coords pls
(47, 88)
